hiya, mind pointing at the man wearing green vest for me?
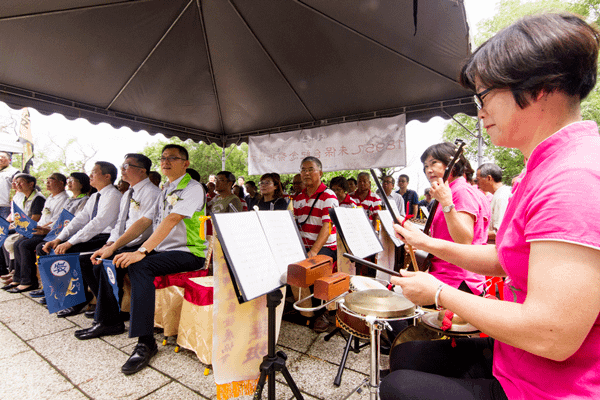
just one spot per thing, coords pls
(174, 246)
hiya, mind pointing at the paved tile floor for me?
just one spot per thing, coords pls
(41, 359)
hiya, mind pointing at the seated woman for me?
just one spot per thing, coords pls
(544, 340)
(32, 206)
(78, 184)
(271, 193)
(340, 187)
(24, 248)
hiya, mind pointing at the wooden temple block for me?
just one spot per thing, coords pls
(306, 272)
(330, 287)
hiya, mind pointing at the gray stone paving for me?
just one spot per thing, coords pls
(41, 359)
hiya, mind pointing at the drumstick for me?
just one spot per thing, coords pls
(413, 258)
(370, 264)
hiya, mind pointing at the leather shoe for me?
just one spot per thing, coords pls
(10, 286)
(79, 332)
(37, 293)
(43, 301)
(69, 312)
(100, 330)
(139, 359)
(90, 314)
(15, 289)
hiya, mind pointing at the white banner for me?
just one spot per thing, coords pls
(376, 143)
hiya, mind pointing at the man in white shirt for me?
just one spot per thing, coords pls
(141, 197)
(489, 179)
(175, 246)
(7, 172)
(90, 229)
(393, 197)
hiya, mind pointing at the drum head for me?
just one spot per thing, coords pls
(380, 303)
(359, 283)
(432, 322)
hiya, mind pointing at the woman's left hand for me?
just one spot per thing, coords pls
(418, 287)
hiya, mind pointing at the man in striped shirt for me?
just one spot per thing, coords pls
(311, 209)
(363, 196)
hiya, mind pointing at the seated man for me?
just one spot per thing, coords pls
(140, 198)
(174, 246)
(225, 201)
(90, 228)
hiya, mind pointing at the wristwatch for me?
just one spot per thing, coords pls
(449, 208)
(143, 250)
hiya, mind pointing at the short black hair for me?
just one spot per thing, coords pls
(59, 177)
(28, 178)
(251, 183)
(341, 182)
(538, 53)
(228, 175)
(491, 169)
(444, 152)
(108, 168)
(142, 159)
(83, 179)
(182, 150)
(352, 180)
(404, 176)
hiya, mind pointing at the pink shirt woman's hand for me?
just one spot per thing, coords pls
(418, 287)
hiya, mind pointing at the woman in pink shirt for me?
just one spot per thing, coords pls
(544, 341)
(463, 214)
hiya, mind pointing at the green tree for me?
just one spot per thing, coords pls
(508, 11)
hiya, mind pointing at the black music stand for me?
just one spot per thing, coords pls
(274, 362)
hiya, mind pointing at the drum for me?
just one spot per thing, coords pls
(349, 322)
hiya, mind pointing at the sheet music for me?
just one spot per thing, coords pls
(284, 240)
(388, 225)
(358, 232)
(248, 252)
(425, 211)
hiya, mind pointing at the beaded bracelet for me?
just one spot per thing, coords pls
(437, 296)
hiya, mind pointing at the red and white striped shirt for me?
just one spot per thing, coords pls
(309, 230)
(371, 203)
(349, 202)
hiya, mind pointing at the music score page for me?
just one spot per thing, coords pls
(258, 246)
(357, 231)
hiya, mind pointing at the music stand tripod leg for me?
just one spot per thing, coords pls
(274, 362)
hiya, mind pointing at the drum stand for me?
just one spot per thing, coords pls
(274, 362)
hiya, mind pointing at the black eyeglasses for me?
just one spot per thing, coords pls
(479, 97)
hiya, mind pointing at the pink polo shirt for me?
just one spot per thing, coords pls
(469, 199)
(562, 171)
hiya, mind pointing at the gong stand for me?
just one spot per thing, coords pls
(274, 362)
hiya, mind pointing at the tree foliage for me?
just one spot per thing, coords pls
(508, 11)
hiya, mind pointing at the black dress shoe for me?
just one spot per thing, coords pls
(90, 314)
(16, 289)
(79, 332)
(37, 293)
(69, 312)
(139, 359)
(100, 330)
(43, 301)
(9, 286)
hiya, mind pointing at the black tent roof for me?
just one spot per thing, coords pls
(222, 70)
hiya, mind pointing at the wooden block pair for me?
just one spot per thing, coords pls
(317, 271)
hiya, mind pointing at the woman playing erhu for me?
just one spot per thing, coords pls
(545, 339)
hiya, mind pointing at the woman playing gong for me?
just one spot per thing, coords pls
(529, 81)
